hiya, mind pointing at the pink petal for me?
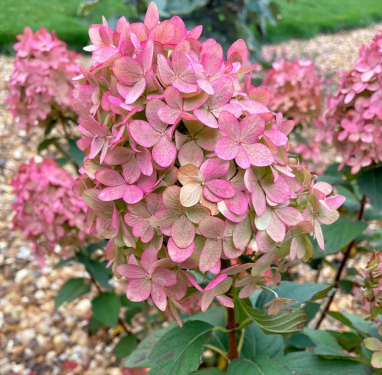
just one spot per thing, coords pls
(152, 16)
(289, 215)
(131, 271)
(183, 232)
(276, 229)
(213, 60)
(138, 290)
(226, 148)
(211, 227)
(171, 199)
(132, 194)
(118, 156)
(144, 162)
(159, 296)
(147, 55)
(97, 145)
(191, 153)
(143, 230)
(264, 242)
(214, 168)
(127, 70)
(177, 254)
(335, 202)
(229, 124)
(238, 52)
(190, 194)
(130, 171)
(109, 177)
(152, 109)
(169, 115)
(251, 127)
(260, 94)
(258, 200)
(276, 136)
(238, 204)
(242, 158)
(217, 280)
(226, 301)
(223, 92)
(206, 117)
(136, 91)
(258, 154)
(230, 250)
(277, 191)
(195, 101)
(221, 188)
(164, 276)
(210, 254)
(143, 133)
(173, 98)
(319, 235)
(167, 75)
(222, 207)
(164, 152)
(112, 193)
(242, 234)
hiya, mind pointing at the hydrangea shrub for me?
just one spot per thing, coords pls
(46, 210)
(296, 89)
(186, 168)
(353, 116)
(40, 89)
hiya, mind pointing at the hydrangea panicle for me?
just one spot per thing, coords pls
(40, 89)
(352, 120)
(194, 162)
(46, 209)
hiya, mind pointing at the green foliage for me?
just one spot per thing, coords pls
(105, 308)
(140, 356)
(338, 235)
(281, 323)
(370, 183)
(72, 289)
(178, 352)
(257, 366)
(125, 346)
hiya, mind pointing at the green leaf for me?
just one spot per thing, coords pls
(94, 325)
(63, 262)
(178, 352)
(325, 343)
(46, 143)
(257, 366)
(281, 323)
(337, 236)
(75, 153)
(306, 363)
(370, 183)
(106, 308)
(72, 289)
(140, 356)
(298, 292)
(125, 346)
(256, 342)
(50, 127)
(311, 309)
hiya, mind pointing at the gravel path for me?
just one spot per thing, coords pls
(35, 338)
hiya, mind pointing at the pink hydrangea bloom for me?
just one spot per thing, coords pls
(192, 159)
(352, 120)
(40, 89)
(296, 89)
(46, 209)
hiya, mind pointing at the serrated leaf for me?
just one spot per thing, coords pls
(281, 323)
(72, 289)
(179, 351)
(306, 363)
(337, 236)
(139, 357)
(370, 183)
(125, 346)
(106, 308)
(256, 366)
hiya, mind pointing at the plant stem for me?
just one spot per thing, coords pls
(341, 268)
(231, 324)
(219, 351)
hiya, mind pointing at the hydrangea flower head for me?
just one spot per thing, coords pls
(40, 89)
(192, 159)
(296, 89)
(352, 120)
(46, 209)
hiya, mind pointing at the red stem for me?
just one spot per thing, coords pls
(231, 324)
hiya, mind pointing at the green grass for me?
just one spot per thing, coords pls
(58, 15)
(300, 18)
(306, 18)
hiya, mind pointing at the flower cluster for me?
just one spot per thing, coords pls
(353, 117)
(296, 89)
(47, 211)
(40, 89)
(184, 163)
